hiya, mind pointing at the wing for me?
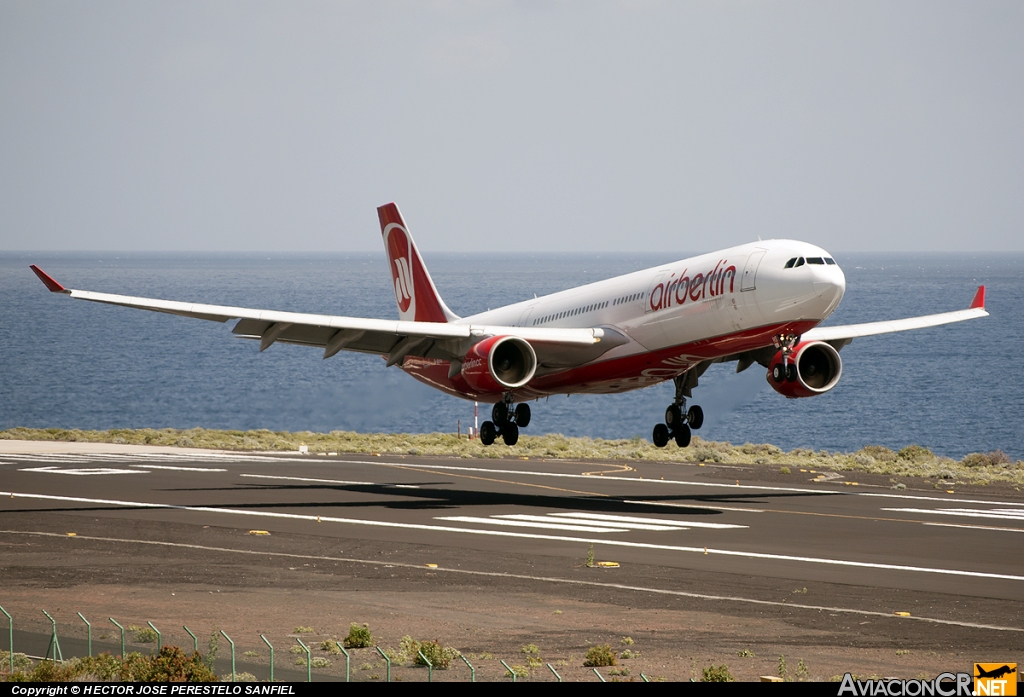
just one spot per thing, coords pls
(390, 338)
(839, 336)
(842, 335)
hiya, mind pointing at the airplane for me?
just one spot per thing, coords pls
(760, 303)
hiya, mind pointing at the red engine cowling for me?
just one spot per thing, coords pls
(814, 368)
(499, 363)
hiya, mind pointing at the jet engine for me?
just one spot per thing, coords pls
(499, 363)
(813, 368)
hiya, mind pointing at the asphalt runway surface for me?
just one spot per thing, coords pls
(737, 540)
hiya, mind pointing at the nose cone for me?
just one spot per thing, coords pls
(829, 286)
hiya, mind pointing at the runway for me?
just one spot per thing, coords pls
(719, 536)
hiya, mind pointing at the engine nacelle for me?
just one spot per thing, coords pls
(499, 363)
(814, 368)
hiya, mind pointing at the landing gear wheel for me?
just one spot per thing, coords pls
(673, 416)
(499, 413)
(695, 417)
(778, 373)
(682, 436)
(510, 434)
(487, 433)
(791, 372)
(660, 436)
(523, 415)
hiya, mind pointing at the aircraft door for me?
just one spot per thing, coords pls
(750, 270)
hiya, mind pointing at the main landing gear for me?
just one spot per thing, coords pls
(678, 420)
(506, 422)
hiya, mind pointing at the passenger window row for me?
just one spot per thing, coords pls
(586, 308)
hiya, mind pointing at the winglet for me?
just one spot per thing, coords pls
(47, 280)
(979, 299)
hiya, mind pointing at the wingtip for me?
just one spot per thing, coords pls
(47, 280)
(979, 299)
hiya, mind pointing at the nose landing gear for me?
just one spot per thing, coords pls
(506, 422)
(678, 420)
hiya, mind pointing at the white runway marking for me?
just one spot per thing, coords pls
(81, 471)
(307, 479)
(997, 514)
(695, 505)
(650, 521)
(974, 527)
(556, 538)
(584, 519)
(179, 469)
(546, 525)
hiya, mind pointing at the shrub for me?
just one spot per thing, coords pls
(359, 637)
(601, 655)
(143, 635)
(170, 665)
(717, 674)
(440, 656)
(915, 453)
(627, 641)
(303, 630)
(785, 470)
(329, 646)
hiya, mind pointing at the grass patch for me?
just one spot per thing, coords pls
(912, 460)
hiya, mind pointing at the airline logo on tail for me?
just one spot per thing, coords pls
(401, 266)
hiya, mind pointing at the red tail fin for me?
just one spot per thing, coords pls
(415, 293)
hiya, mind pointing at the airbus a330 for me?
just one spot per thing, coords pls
(756, 303)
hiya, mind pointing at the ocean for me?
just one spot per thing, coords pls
(72, 364)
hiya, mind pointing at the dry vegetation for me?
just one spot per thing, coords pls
(911, 461)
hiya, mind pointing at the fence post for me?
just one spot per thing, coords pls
(348, 662)
(89, 631)
(645, 678)
(309, 661)
(509, 669)
(159, 637)
(54, 644)
(599, 675)
(10, 636)
(385, 657)
(430, 667)
(122, 635)
(555, 672)
(271, 656)
(195, 639)
(472, 670)
(232, 655)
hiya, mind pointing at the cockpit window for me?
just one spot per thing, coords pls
(789, 264)
(816, 260)
(830, 261)
(800, 261)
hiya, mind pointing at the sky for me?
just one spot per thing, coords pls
(528, 126)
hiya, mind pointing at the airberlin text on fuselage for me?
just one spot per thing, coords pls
(676, 291)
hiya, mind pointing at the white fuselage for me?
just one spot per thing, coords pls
(676, 304)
